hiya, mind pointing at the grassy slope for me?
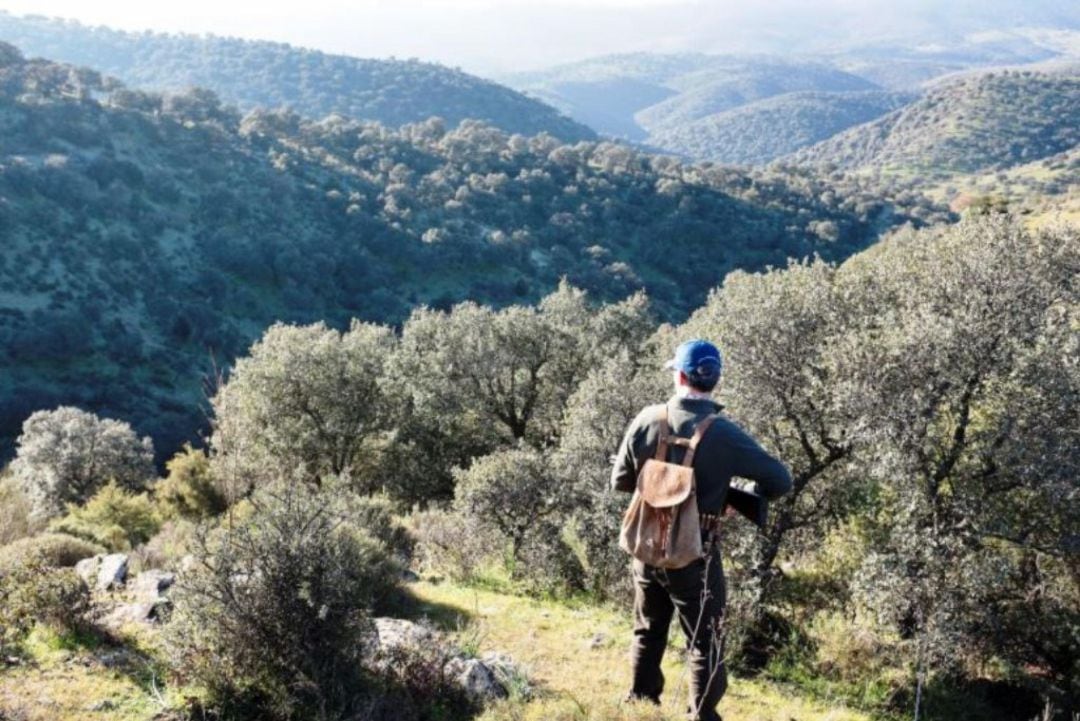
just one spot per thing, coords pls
(1045, 192)
(574, 678)
(67, 680)
(576, 657)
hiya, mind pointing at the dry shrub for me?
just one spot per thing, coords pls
(15, 509)
(168, 547)
(849, 651)
(54, 550)
(273, 617)
(453, 544)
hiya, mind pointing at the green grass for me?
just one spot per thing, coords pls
(575, 657)
(76, 676)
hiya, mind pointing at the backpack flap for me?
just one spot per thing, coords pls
(663, 485)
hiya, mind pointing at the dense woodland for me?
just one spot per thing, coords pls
(263, 74)
(158, 235)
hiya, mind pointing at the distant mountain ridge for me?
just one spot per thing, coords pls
(755, 108)
(639, 94)
(316, 84)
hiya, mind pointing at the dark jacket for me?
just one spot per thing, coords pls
(726, 451)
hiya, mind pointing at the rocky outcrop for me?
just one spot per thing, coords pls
(145, 600)
(482, 679)
(120, 601)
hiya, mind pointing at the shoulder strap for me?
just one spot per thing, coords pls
(699, 433)
(662, 443)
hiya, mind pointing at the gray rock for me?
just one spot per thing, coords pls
(124, 613)
(397, 633)
(507, 671)
(476, 679)
(482, 679)
(113, 571)
(144, 602)
(408, 576)
(103, 573)
(88, 569)
(151, 585)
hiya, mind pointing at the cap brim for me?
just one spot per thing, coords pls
(670, 365)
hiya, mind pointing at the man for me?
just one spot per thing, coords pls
(696, 592)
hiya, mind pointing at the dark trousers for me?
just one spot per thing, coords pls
(697, 594)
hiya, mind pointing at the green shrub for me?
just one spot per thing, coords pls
(513, 492)
(53, 550)
(375, 514)
(189, 490)
(115, 518)
(273, 617)
(35, 592)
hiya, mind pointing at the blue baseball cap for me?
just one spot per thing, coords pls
(699, 359)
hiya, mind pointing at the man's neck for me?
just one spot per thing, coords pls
(691, 394)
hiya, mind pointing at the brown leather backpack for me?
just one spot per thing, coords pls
(662, 526)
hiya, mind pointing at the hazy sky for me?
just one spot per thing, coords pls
(492, 36)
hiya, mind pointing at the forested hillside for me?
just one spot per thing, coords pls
(987, 122)
(759, 132)
(266, 74)
(148, 236)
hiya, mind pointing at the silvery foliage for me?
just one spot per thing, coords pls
(965, 360)
(64, 455)
(506, 374)
(307, 397)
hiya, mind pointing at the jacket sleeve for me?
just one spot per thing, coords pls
(752, 462)
(624, 472)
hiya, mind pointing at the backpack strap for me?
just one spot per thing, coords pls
(699, 433)
(667, 439)
(665, 434)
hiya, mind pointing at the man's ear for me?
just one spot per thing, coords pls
(683, 379)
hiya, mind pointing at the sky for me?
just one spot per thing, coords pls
(500, 36)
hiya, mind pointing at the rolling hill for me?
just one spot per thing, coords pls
(148, 239)
(639, 94)
(986, 122)
(727, 83)
(759, 132)
(315, 84)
